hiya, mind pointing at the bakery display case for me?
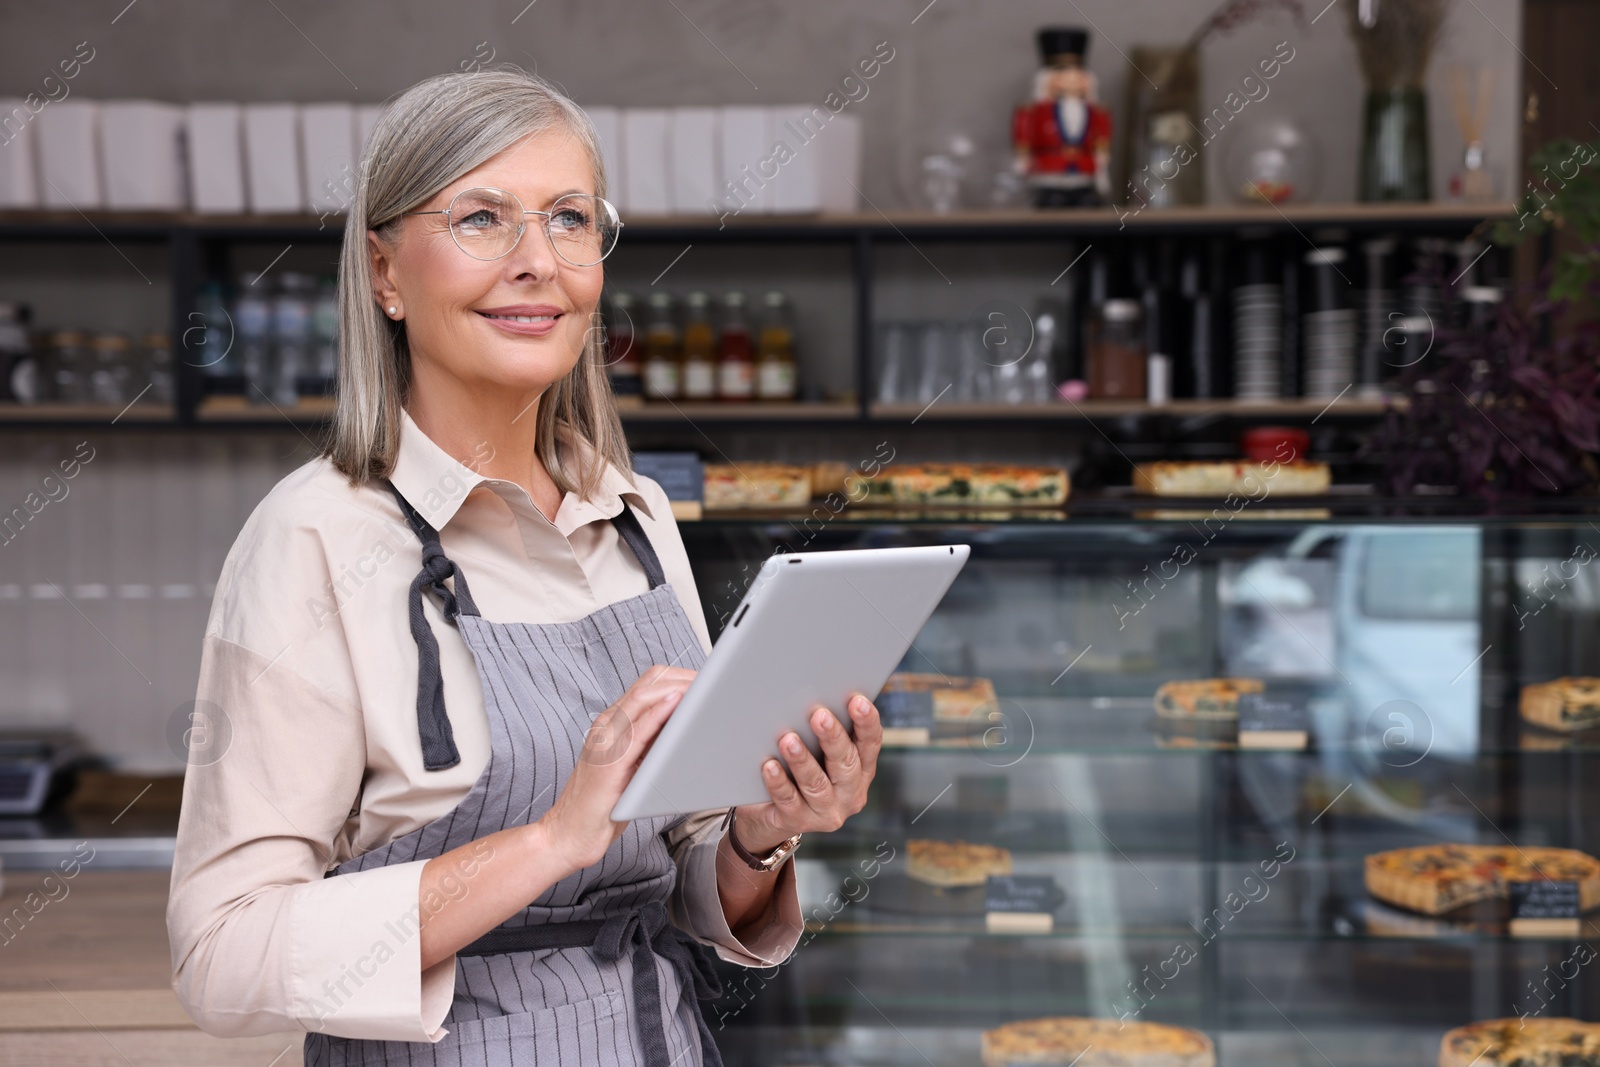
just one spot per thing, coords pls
(1198, 786)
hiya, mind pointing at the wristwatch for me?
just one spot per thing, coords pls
(771, 860)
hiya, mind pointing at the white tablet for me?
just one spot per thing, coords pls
(812, 629)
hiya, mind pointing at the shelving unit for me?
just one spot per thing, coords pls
(200, 246)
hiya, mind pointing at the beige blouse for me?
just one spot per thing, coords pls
(304, 751)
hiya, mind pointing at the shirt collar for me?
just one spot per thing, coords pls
(436, 483)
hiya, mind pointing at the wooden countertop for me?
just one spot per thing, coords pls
(85, 977)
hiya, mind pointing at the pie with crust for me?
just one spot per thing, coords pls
(1204, 698)
(1434, 879)
(1534, 1042)
(1563, 704)
(1066, 1039)
(954, 863)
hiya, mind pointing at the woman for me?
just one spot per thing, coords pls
(400, 841)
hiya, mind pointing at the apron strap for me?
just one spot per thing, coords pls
(641, 934)
(628, 525)
(433, 724)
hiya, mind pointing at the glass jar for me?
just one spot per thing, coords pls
(775, 374)
(156, 359)
(291, 336)
(1117, 355)
(68, 368)
(325, 336)
(699, 373)
(663, 349)
(110, 369)
(19, 366)
(622, 353)
(736, 367)
(252, 339)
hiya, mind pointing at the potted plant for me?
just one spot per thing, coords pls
(1494, 409)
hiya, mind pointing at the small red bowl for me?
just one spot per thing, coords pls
(1280, 444)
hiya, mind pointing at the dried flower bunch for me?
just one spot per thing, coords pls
(1396, 41)
(1235, 13)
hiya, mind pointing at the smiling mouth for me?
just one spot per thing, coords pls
(520, 318)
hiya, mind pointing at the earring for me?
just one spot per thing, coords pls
(392, 310)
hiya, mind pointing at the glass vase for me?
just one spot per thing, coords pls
(1394, 145)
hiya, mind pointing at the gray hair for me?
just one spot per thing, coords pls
(426, 138)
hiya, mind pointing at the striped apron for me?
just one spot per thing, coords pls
(592, 972)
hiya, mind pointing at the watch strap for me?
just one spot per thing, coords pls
(754, 862)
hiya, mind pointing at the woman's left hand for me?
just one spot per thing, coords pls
(811, 795)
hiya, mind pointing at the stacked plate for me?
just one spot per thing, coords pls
(1330, 351)
(1257, 341)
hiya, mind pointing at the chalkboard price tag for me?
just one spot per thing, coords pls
(1544, 908)
(1275, 722)
(1021, 903)
(680, 474)
(907, 716)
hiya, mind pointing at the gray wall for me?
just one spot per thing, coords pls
(959, 65)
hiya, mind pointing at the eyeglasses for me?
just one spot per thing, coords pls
(487, 224)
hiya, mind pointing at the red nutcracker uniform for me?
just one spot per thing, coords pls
(1043, 129)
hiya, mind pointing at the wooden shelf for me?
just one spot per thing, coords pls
(956, 225)
(1094, 409)
(738, 411)
(235, 410)
(77, 413)
(238, 409)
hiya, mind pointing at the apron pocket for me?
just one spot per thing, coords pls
(594, 1031)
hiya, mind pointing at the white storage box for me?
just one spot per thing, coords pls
(607, 122)
(366, 119)
(272, 158)
(19, 185)
(746, 142)
(216, 158)
(69, 156)
(823, 169)
(696, 161)
(328, 155)
(142, 156)
(645, 143)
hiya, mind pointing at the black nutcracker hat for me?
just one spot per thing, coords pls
(1062, 46)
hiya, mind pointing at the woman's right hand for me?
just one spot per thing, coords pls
(579, 824)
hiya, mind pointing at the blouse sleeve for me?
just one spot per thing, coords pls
(696, 906)
(260, 940)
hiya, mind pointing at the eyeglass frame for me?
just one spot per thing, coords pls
(522, 223)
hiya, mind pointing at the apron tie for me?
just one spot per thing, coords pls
(433, 724)
(642, 934)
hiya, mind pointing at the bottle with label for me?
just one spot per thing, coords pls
(325, 336)
(156, 360)
(1117, 363)
(209, 341)
(110, 369)
(19, 367)
(662, 351)
(699, 349)
(736, 367)
(622, 354)
(69, 359)
(775, 374)
(252, 329)
(291, 336)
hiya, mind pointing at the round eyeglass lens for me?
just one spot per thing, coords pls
(583, 228)
(485, 222)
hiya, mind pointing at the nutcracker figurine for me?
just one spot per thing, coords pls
(1063, 138)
